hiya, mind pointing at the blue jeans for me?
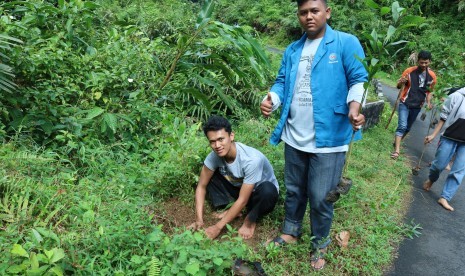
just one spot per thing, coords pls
(309, 177)
(407, 117)
(444, 153)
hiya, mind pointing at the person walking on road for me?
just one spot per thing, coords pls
(418, 83)
(320, 89)
(452, 142)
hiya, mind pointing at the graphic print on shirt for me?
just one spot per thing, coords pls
(230, 177)
(421, 79)
(303, 92)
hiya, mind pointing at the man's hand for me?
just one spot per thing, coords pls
(196, 226)
(213, 231)
(402, 80)
(357, 120)
(429, 139)
(266, 106)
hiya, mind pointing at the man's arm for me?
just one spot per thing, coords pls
(429, 139)
(244, 196)
(429, 96)
(200, 192)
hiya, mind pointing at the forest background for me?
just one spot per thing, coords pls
(100, 121)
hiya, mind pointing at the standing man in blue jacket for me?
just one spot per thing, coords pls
(319, 88)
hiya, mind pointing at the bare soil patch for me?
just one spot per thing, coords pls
(174, 213)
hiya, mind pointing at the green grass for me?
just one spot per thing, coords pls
(387, 78)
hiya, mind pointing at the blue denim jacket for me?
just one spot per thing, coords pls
(335, 69)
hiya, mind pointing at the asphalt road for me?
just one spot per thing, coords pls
(439, 250)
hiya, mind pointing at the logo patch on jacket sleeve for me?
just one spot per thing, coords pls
(333, 58)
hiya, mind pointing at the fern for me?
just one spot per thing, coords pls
(154, 269)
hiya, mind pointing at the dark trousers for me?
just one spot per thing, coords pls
(262, 201)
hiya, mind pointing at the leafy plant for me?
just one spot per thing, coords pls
(154, 269)
(200, 66)
(6, 72)
(39, 261)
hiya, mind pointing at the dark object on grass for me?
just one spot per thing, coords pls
(342, 188)
(244, 267)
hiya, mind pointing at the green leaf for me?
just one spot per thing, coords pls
(94, 112)
(198, 95)
(57, 270)
(182, 257)
(19, 251)
(205, 13)
(37, 236)
(218, 261)
(391, 31)
(48, 234)
(124, 117)
(372, 4)
(110, 121)
(219, 91)
(91, 5)
(136, 259)
(15, 269)
(48, 253)
(58, 254)
(198, 237)
(91, 51)
(182, 41)
(193, 268)
(396, 10)
(34, 261)
(384, 10)
(37, 271)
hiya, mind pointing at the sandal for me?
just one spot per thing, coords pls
(280, 242)
(394, 155)
(315, 256)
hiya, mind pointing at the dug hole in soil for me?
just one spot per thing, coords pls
(174, 213)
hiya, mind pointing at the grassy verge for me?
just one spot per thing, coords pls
(99, 217)
(387, 78)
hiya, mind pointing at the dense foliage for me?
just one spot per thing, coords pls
(86, 72)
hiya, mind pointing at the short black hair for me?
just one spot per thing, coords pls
(216, 123)
(301, 2)
(425, 55)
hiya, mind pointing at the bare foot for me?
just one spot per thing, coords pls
(427, 185)
(445, 204)
(317, 259)
(247, 229)
(220, 215)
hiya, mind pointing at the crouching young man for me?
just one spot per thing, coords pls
(234, 172)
